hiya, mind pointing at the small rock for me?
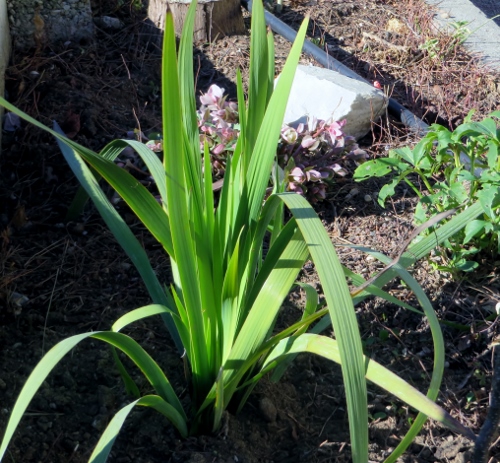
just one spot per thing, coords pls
(107, 22)
(268, 409)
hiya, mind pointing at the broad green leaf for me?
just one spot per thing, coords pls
(405, 153)
(492, 154)
(389, 189)
(489, 196)
(459, 192)
(378, 168)
(466, 265)
(420, 152)
(486, 127)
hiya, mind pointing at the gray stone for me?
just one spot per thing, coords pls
(62, 21)
(107, 22)
(327, 94)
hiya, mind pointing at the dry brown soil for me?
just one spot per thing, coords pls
(77, 279)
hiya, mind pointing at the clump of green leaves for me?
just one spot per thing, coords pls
(450, 170)
(234, 262)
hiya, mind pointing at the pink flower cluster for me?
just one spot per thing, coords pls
(311, 154)
(219, 129)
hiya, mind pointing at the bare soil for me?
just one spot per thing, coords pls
(60, 278)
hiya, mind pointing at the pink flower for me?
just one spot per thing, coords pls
(155, 146)
(297, 175)
(219, 148)
(339, 170)
(335, 130)
(295, 187)
(289, 134)
(313, 175)
(310, 143)
(213, 95)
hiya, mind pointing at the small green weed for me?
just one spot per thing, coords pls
(437, 48)
(455, 169)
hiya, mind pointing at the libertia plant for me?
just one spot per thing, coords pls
(455, 169)
(223, 302)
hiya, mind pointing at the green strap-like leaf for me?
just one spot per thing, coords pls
(376, 373)
(139, 314)
(108, 437)
(343, 316)
(179, 202)
(134, 351)
(264, 151)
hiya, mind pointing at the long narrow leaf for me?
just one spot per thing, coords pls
(265, 144)
(178, 203)
(108, 437)
(136, 353)
(343, 316)
(376, 373)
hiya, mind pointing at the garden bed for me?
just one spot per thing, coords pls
(76, 278)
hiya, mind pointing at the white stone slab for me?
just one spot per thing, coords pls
(324, 94)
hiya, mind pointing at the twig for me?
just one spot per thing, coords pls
(367, 35)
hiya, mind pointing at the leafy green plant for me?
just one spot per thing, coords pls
(226, 293)
(440, 48)
(456, 169)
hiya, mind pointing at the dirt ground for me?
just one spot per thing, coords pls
(60, 278)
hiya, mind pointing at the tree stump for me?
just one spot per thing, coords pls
(214, 19)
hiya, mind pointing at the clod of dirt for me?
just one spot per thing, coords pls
(451, 449)
(268, 410)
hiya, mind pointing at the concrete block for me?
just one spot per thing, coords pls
(324, 94)
(49, 21)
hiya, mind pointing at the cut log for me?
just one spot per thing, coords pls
(214, 19)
